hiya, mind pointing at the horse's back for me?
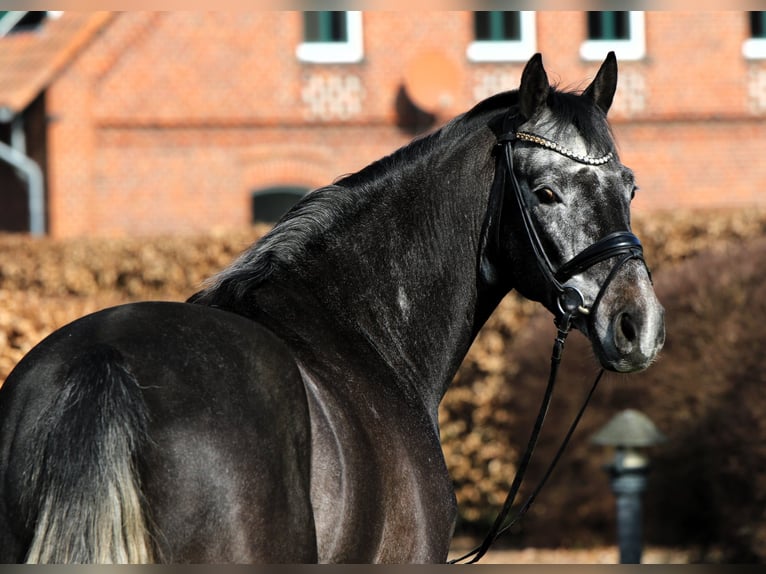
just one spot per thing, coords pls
(225, 470)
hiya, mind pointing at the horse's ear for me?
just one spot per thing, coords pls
(602, 89)
(534, 87)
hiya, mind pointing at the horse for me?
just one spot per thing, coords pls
(287, 411)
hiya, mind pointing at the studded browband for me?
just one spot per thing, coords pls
(546, 143)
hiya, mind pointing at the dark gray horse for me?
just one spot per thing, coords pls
(288, 412)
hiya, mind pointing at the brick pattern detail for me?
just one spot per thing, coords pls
(332, 96)
(756, 90)
(492, 81)
(630, 100)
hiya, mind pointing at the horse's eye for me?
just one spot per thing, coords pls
(546, 195)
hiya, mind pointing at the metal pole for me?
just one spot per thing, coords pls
(629, 432)
(34, 177)
(628, 485)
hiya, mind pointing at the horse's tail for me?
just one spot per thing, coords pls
(85, 502)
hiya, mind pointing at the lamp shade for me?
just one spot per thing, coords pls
(629, 428)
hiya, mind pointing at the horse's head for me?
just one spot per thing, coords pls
(566, 218)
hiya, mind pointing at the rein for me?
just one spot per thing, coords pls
(570, 302)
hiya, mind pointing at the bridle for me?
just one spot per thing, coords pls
(624, 244)
(570, 304)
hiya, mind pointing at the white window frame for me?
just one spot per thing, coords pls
(12, 18)
(9, 21)
(754, 48)
(632, 49)
(507, 51)
(350, 51)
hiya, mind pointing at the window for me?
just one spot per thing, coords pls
(12, 22)
(270, 204)
(758, 24)
(755, 46)
(331, 37)
(17, 21)
(608, 26)
(621, 32)
(325, 27)
(497, 26)
(502, 36)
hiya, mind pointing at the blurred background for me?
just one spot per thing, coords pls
(141, 151)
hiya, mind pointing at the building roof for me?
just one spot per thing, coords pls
(30, 60)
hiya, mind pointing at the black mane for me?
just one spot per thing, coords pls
(292, 235)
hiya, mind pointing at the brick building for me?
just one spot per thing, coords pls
(154, 122)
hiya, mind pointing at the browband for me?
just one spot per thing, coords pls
(546, 143)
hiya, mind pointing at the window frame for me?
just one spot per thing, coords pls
(754, 48)
(348, 52)
(9, 20)
(508, 50)
(633, 48)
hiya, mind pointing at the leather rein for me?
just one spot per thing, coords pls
(570, 303)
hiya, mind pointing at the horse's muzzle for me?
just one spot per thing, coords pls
(637, 339)
(629, 329)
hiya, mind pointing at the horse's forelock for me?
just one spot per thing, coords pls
(568, 108)
(572, 109)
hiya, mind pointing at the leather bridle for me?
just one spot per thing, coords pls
(570, 304)
(624, 244)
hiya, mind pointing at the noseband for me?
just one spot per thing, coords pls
(570, 303)
(623, 244)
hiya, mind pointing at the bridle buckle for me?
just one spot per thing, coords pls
(571, 301)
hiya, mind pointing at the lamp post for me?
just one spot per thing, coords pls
(628, 432)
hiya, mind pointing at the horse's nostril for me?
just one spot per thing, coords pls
(628, 327)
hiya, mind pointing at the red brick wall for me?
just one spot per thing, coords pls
(168, 121)
(696, 164)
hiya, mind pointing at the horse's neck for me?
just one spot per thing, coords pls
(396, 277)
